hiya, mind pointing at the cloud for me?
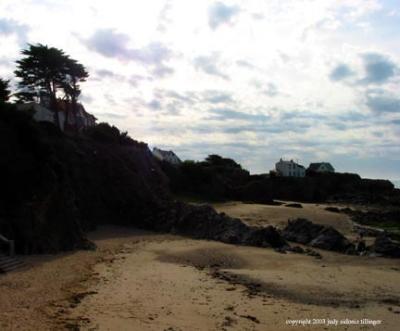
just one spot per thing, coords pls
(246, 64)
(161, 71)
(341, 72)
(104, 73)
(154, 104)
(213, 96)
(380, 101)
(210, 65)
(189, 98)
(271, 90)
(109, 43)
(86, 98)
(219, 13)
(112, 44)
(112, 115)
(163, 17)
(378, 68)
(10, 26)
(230, 114)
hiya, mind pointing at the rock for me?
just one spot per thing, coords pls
(203, 222)
(333, 209)
(296, 249)
(387, 247)
(301, 230)
(265, 237)
(294, 205)
(305, 232)
(311, 252)
(331, 240)
(367, 231)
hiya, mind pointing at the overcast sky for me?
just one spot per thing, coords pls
(313, 80)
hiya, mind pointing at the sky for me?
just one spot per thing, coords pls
(252, 80)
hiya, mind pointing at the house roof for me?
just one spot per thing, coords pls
(315, 166)
(166, 153)
(292, 162)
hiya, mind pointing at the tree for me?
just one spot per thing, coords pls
(75, 73)
(4, 90)
(49, 70)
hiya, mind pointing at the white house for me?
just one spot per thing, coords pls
(41, 114)
(321, 167)
(289, 169)
(76, 121)
(168, 156)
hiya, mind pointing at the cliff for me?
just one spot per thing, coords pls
(55, 187)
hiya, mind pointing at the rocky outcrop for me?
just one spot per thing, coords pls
(387, 247)
(301, 231)
(305, 232)
(203, 222)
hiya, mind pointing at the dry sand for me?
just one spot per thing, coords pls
(144, 281)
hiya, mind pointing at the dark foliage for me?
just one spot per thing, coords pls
(4, 90)
(212, 179)
(219, 178)
(56, 187)
(105, 133)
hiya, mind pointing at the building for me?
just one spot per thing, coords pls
(289, 169)
(74, 120)
(167, 156)
(68, 119)
(321, 167)
(41, 114)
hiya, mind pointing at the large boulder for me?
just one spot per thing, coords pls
(265, 237)
(305, 232)
(331, 240)
(301, 230)
(387, 247)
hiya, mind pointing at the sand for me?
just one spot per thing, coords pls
(144, 281)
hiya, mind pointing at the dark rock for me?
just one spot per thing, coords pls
(311, 252)
(386, 246)
(333, 209)
(265, 237)
(296, 249)
(294, 205)
(301, 230)
(331, 240)
(367, 231)
(304, 231)
(203, 222)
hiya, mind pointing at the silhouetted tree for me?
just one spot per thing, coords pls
(4, 90)
(41, 70)
(75, 73)
(49, 70)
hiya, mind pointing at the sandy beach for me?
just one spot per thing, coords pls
(138, 280)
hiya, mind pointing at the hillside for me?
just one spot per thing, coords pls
(56, 187)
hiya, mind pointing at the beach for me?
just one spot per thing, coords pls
(139, 280)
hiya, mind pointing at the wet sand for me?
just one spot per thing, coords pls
(143, 281)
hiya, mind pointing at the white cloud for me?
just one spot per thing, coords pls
(229, 74)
